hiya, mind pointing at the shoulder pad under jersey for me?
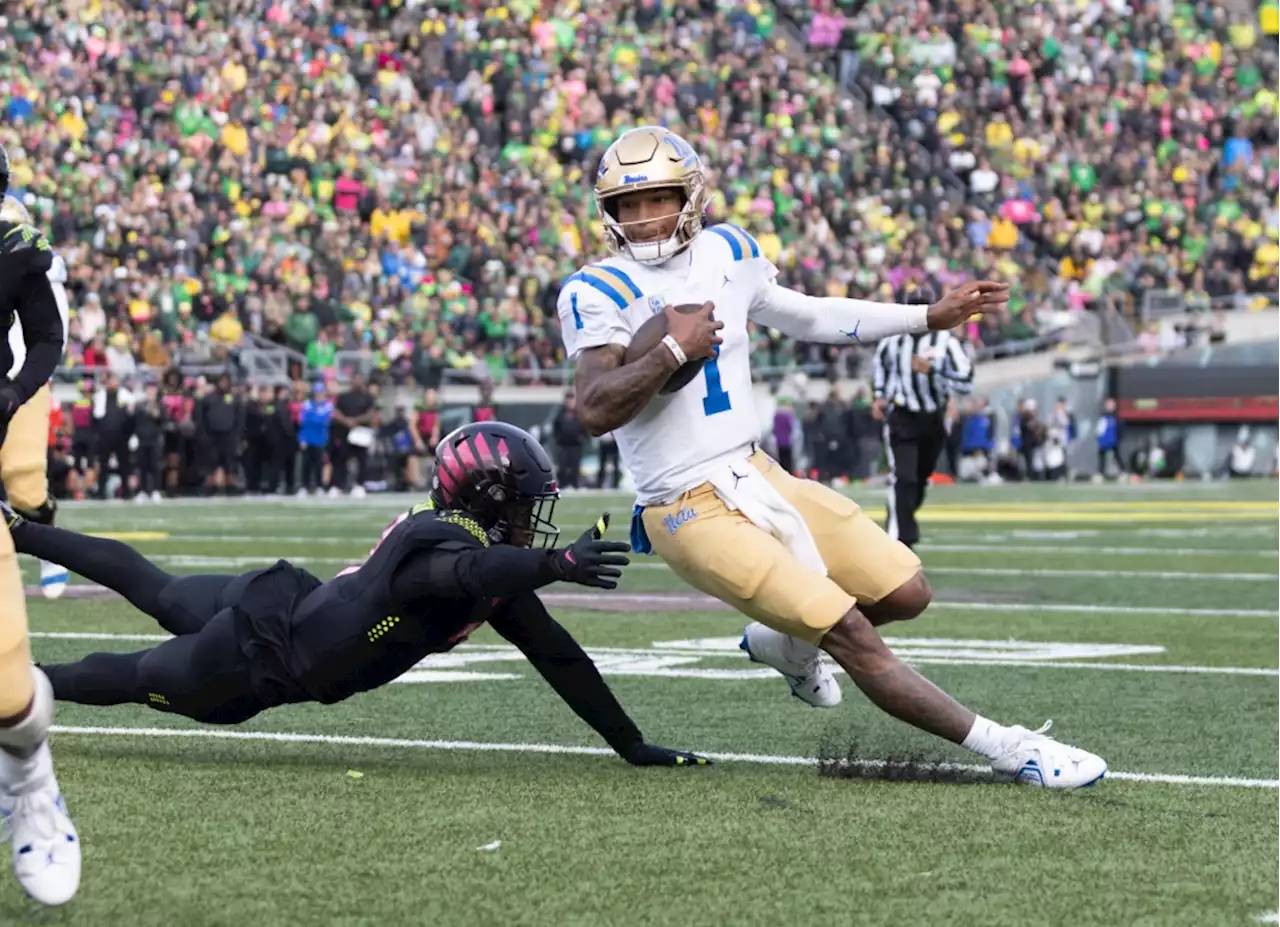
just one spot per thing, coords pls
(452, 524)
(22, 242)
(608, 283)
(736, 242)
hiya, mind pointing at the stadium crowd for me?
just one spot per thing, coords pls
(409, 181)
(1121, 146)
(412, 178)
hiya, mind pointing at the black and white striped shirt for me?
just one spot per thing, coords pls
(896, 382)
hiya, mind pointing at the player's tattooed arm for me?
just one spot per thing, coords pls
(611, 393)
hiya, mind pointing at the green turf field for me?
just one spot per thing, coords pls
(1142, 620)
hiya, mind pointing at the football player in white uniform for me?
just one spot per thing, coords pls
(33, 815)
(802, 560)
(24, 456)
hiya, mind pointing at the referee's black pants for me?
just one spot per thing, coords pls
(913, 441)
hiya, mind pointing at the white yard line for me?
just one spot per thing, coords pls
(1049, 550)
(1008, 549)
(1104, 574)
(202, 560)
(1107, 609)
(1269, 917)
(659, 603)
(907, 656)
(1097, 574)
(359, 542)
(1121, 667)
(1144, 533)
(560, 750)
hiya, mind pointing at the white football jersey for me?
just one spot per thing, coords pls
(57, 275)
(676, 441)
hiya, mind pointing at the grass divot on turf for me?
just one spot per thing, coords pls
(839, 759)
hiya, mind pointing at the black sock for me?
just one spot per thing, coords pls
(109, 563)
(98, 679)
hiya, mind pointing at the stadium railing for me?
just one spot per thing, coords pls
(1159, 304)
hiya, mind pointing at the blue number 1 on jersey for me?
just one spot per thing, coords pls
(717, 399)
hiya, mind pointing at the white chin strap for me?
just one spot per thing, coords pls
(654, 252)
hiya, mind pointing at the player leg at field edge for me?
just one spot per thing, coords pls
(46, 847)
(799, 612)
(24, 463)
(800, 662)
(1024, 756)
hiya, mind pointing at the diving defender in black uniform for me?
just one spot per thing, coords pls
(275, 636)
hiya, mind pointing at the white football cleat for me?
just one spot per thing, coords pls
(799, 663)
(1031, 758)
(46, 847)
(53, 579)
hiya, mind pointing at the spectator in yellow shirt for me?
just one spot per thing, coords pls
(999, 133)
(1269, 17)
(1075, 266)
(1003, 234)
(235, 138)
(226, 329)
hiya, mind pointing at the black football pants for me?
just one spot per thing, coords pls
(913, 441)
(202, 673)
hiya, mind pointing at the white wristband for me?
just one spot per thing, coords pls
(674, 347)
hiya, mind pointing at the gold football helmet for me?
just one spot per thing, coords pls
(648, 158)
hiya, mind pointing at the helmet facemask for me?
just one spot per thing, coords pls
(527, 523)
(688, 222)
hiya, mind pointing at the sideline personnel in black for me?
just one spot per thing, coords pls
(914, 376)
(278, 635)
(568, 434)
(220, 419)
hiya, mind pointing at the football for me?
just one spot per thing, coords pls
(649, 334)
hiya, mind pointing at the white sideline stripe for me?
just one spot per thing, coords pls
(1114, 574)
(692, 602)
(1100, 574)
(559, 749)
(1081, 549)
(363, 543)
(1109, 610)
(1106, 609)
(201, 560)
(1123, 667)
(96, 636)
(922, 661)
(1269, 917)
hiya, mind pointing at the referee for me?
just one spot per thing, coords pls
(914, 377)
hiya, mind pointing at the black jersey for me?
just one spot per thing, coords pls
(351, 634)
(27, 296)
